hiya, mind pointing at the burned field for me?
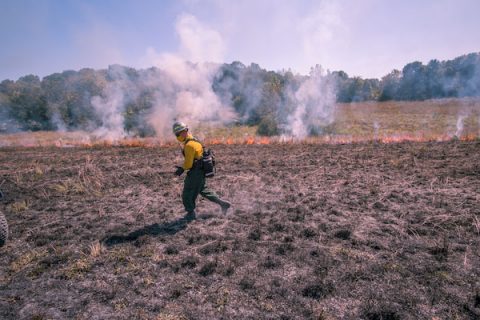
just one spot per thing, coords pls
(355, 231)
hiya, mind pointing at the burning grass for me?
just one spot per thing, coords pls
(386, 122)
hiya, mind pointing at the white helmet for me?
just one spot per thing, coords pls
(179, 127)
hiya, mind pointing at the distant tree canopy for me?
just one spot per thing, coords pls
(260, 97)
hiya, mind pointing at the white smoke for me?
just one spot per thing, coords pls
(323, 32)
(199, 43)
(111, 106)
(460, 125)
(189, 96)
(110, 110)
(314, 105)
(57, 121)
(376, 129)
(182, 85)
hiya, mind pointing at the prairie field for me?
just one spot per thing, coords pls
(431, 119)
(358, 230)
(393, 121)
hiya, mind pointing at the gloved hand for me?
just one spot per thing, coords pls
(179, 171)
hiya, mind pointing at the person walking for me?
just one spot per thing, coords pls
(195, 182)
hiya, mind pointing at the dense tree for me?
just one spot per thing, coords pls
(389, 85)
(260, 97)
(28, 104)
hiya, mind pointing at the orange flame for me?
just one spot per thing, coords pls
(264, 140)
(44, 140)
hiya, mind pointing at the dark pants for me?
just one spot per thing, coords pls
(195, 184)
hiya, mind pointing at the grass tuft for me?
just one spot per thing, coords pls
(19, 206)
(27, 259)
(78, 268)
(96, 249)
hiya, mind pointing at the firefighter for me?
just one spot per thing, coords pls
(195, 181)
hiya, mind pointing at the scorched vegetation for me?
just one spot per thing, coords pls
(352, 231)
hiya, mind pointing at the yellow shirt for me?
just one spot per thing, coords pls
(191, 150)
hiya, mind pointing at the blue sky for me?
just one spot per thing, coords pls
(365, 38)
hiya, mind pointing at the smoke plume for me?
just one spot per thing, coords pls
(183, 90)
(314, 105)
(460, 121)
(111, 106)
(182, 85)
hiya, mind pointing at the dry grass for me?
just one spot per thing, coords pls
(69, 186)
(96, 249)
(393, 121)
(19, 206)
(27, 259)
(77, 268)
(427, 119)
(169, 316)
(91, 176)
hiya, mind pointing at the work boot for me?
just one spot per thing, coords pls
(191, 215)
(225, 205)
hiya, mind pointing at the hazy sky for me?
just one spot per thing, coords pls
(365, 38)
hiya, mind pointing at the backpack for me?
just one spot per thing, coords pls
(207, 162)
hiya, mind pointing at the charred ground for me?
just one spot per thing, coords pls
(356, 231)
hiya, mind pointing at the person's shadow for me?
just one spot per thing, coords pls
(167, 228)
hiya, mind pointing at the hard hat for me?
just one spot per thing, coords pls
(179, 127)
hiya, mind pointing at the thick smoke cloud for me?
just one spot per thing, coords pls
(190, 97)
(182, 88)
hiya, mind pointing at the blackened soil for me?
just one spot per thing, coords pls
(357, 231)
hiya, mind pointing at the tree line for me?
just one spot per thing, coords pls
(260, 97)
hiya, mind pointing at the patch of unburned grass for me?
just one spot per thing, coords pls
(96, 249)
(38, 172)
(19, 206)
(232, 132)
(169, 316)
(91, 176)
(44, 138)
(69, 186)
(78, 268)
(121, 254)
(120, 304)
(89, 179)
(27, 259)
(148, 281)
(429, 118)
(84, 264)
